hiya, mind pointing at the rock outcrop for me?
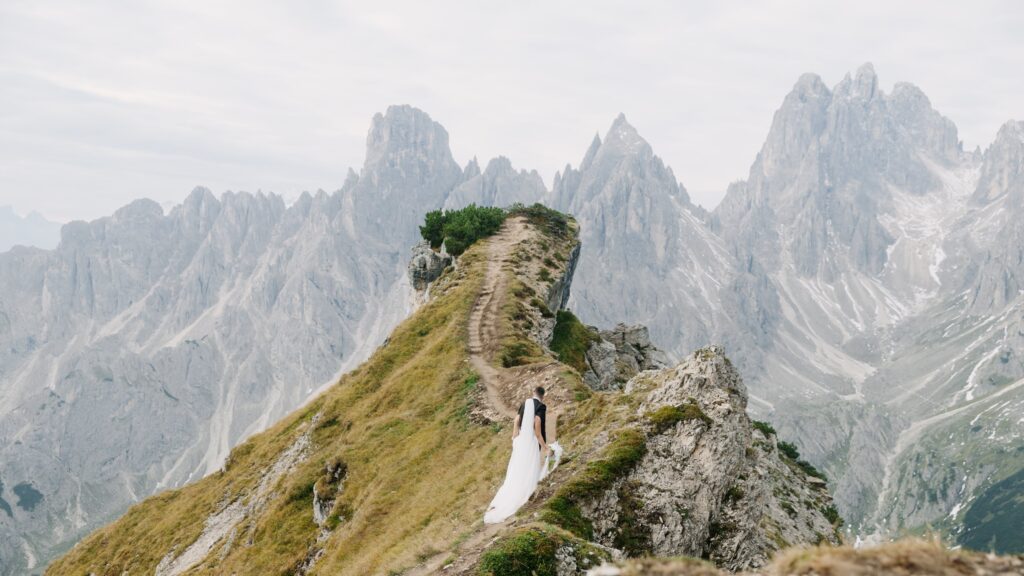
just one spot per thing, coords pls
(426, 265)
(708, 485)
(618, 354)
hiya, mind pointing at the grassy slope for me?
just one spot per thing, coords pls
(419, 471)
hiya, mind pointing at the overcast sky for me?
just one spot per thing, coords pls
(104, 102)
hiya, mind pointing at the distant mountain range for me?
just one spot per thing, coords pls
(866, 278)
(32, 230)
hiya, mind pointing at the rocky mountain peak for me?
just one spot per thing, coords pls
(809, 84)
(623, 139)
(500, 184)
(406, 140)
(498, 166)
(472, 169)
(141, 209)
(1011, 134)
(409, 168)
(863, 86)
(1002, 170)
(866, 82)
(588, 158)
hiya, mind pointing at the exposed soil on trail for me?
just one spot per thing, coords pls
(507, 388)
(484, 332)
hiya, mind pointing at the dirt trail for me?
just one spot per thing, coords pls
(504, 387)
(484, 334)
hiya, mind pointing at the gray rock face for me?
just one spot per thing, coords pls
(619, 354)
(709, 485)
(560, 290)
(498, 185)
(426, 265)
(647, 256)
(137, 353)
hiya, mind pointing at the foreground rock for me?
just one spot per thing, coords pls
(898, 558)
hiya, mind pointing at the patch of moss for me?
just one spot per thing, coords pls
(733, 494)
(832, 515)
(721, 528)
(532, 551)
(667, 417)
(540, 305)
(810, 470)
(528, 552)
(789, 509)
(632, 536)
(571, 339)
(790, 451)
(621, 456)
(767, 429)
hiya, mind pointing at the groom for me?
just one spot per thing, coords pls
(540, 411)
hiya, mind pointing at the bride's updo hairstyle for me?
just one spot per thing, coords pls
(539, 390)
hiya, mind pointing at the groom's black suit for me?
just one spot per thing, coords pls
(539, 409)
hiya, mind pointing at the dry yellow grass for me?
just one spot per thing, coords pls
(903, 557)
(908, 557)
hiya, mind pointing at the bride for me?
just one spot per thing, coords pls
(525, 468)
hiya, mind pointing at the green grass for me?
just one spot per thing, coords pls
(570, 340)
(540, 305)
(551, 222)
(518, 351)
(666, 417)
(528, 552)
(531, 551)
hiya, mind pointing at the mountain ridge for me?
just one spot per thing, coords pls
(391, 468)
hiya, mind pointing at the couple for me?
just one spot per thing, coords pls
(526, 467)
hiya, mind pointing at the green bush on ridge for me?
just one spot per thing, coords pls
(459, 229)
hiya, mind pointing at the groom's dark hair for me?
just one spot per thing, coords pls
(540, 391)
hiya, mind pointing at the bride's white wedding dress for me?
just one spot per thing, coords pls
(524, 471)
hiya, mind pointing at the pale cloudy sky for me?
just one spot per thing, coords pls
(102, 102)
